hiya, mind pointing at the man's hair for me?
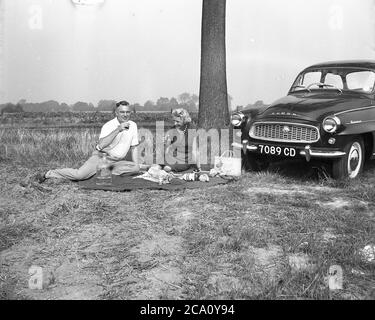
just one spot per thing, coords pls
(182, 113)
(122, 103)
(118, 104)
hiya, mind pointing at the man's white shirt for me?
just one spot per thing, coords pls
(119, 147)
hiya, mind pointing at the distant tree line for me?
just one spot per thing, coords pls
(184, 100)
(10, 108)
(258, 104)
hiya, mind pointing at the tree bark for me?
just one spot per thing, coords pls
(213, 96)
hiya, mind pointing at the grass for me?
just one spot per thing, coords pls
(46, 146)
(275, 220)
(59, 146)
(227, 242)
(13, 234)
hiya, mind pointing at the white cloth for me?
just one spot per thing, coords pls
(119, 147)
(156, 174)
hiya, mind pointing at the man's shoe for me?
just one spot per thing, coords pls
(40, 177)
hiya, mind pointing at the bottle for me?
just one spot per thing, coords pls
(103, 172)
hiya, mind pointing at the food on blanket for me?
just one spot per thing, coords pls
(190, 176)
(156, 174)
(195, 176)
(213, 173)
(204, 178)
(167, 169)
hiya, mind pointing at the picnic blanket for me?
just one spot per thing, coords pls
(127, 182)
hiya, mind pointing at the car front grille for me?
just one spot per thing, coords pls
(284, 132)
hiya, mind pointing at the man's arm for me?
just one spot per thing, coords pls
(106, 141)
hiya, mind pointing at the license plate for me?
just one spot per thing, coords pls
(277, 151)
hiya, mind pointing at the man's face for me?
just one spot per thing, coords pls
(123, 113)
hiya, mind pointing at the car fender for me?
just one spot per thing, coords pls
(357, 120)
(366, 129)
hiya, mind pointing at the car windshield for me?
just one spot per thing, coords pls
(359, 80)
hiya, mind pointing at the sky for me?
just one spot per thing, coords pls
(141, 50)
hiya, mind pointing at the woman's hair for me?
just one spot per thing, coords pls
(182, 113)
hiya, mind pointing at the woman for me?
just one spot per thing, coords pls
(181, 150)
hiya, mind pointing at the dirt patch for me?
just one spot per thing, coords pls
(341, 203)
(223, 284)
(159, 245)
(159, 273)
(70, 283)
(163, 255)
(291, 189)
(337, 203)
(158, 283)
(322, 189)
(267, 261)
(182, 218)
(277, 191)
(72, 277)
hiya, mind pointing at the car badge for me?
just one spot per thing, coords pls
(284, 114)
(286, 129)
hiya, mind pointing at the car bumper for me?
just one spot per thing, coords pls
(307, 151)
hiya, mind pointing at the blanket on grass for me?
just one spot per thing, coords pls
(127, 182)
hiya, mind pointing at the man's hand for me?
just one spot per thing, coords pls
(123, 126)
(106, 141)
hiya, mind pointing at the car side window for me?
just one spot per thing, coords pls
(361, 81)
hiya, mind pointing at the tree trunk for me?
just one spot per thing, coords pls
(213, 97)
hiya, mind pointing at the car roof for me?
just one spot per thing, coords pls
(367, 64)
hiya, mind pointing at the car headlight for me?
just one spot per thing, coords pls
(330, 124)
(237, 119)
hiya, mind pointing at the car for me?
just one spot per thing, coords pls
(328, 115)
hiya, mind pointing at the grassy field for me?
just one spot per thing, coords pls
(271, 235)
(78, 119)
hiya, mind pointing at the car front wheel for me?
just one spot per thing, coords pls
(350, 165)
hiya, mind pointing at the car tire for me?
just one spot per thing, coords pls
(350, 165)
(251, 162)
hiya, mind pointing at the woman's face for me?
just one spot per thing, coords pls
(178, 122)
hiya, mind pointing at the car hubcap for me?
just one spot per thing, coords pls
(354, 160)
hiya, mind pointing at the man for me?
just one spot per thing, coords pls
(117, 138)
